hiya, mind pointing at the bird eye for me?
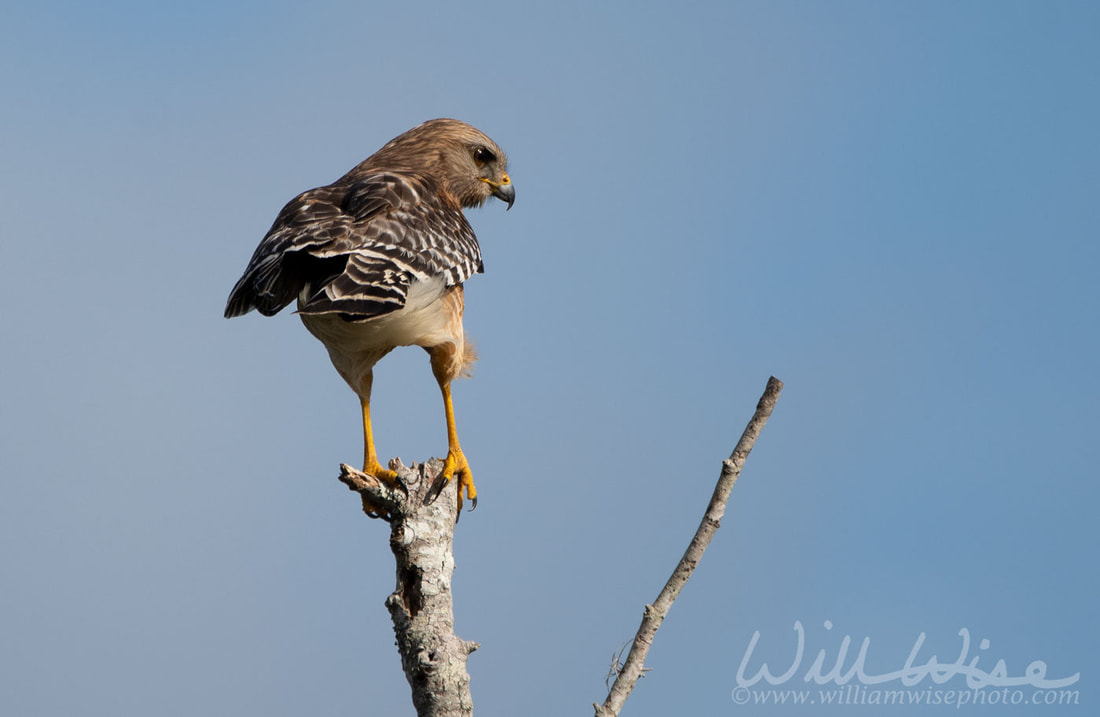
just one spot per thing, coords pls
(483, 156)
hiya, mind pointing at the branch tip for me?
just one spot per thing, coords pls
(634, 667)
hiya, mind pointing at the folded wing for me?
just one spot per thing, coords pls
(356, 247)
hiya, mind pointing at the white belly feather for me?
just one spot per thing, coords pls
(355, 347)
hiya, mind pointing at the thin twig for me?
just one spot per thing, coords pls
(654, 614)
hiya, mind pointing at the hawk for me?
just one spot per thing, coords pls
(377, 259)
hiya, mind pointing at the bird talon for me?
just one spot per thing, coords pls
(383, 474)
(457, 465)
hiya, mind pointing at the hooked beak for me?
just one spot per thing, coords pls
(503, 191)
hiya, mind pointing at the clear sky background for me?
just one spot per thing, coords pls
(894, 207)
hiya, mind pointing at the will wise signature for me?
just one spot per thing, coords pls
(911, 673)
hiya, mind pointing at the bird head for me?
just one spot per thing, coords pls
(470, 166)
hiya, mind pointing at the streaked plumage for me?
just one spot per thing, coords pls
(377, 260)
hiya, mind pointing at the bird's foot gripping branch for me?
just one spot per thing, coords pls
(409, 491)
(421, 507)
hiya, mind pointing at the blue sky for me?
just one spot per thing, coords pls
(893, 207)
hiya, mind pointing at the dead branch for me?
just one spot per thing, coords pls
(654, 614)
(422, 511)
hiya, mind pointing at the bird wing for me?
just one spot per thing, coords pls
(355, 248)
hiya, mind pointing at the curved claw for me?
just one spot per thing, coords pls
(457, 465)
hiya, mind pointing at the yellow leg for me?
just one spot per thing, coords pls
(456, 463)
(370, 457)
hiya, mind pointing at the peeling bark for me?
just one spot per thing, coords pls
(422, 512)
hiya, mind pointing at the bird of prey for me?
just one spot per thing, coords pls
(377, 259)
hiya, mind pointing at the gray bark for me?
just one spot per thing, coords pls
(654, 614)
(422, 513)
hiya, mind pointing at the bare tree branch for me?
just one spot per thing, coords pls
(654, 614)
(422, 511)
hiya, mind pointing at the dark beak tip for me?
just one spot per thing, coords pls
(506, 193)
